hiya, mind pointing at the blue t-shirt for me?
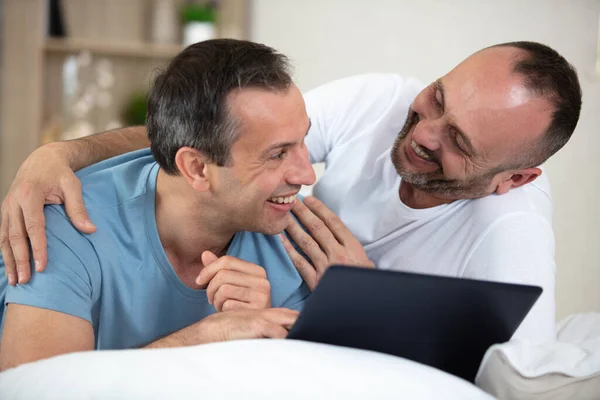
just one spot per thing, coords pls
(119, 278)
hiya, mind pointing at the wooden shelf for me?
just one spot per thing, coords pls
(137, 50)
(32, 98)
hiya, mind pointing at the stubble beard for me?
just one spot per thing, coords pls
(434, 183)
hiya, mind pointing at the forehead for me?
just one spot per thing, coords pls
(265, 117)
(491, 104)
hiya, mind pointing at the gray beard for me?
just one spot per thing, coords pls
(434, 183)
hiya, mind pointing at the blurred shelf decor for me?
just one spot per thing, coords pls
(123, 49)
(198, 21)
(76, 67)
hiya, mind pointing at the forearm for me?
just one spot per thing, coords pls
(92, 149)
(189, 336)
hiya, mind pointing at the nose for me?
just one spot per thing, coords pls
(301, 171)
(428, 134)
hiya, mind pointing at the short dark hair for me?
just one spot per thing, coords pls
(548, 74)
(187, 105)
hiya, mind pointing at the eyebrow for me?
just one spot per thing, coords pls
(465, 139)
(281, 145)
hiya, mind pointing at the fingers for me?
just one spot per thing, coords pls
(7, 254)
(281, 316)
(229, 263)
(232, 305)
(350, 251)
(75, 206)
(241, 281)
(17, 239)
(332, 221)
(35, 226)
(252, 299)
(273, 331)
(208, 257)
(275, 323)
(316, 227)
(307, 271)
(306, 243)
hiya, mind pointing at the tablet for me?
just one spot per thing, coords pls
(444, 322)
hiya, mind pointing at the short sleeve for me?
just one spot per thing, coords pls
(347, 107)
(71, 281)
(520, 249)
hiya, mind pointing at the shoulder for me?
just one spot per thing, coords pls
(118, 179)
(357, 106)
(529, 202)
(366, 89)
(68, 248)
(72, 279)
(514, 234)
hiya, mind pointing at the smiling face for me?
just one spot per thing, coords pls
(269, 162)
(464, 130)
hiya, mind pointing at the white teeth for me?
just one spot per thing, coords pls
(283, 200)
(418, 150)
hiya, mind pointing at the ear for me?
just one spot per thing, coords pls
(517, 178)
(194, 168)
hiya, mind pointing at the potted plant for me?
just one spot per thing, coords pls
(135, 109)
(198, 21)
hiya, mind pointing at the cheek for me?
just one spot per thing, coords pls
(455, 166)
(267, 183)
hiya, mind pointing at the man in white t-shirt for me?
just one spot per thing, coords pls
(436, 180)
(455, 193)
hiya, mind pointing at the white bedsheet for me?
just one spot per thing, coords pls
(252, 369)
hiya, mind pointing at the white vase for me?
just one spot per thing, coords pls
(194, 32)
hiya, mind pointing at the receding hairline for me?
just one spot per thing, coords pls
(232, 118)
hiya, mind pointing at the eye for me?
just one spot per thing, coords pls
(455, 140)
(436, 100)
(279, 156)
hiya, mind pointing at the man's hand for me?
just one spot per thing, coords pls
(44, 178)
(233, 284)
(331, 241)
(233, 325)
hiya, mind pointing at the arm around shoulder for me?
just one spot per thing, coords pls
(101, 146)
(347, 107)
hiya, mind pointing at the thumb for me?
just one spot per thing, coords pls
(76, 208)
(208, 257)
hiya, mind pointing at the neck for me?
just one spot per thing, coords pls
(186, 224)
(418, 199)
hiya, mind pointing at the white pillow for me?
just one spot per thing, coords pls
(252, 369)
(566, 369)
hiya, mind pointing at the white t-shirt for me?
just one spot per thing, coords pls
(504, 238)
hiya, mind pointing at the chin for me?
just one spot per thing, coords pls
(276, 228)
(270, 228)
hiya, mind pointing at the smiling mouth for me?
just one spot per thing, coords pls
(282, 200)
(419, 151)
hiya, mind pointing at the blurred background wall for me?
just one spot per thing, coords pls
(96, 72)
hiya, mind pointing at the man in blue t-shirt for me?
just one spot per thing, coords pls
(183, 231)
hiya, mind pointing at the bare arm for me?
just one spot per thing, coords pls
(92, 149)
(32, 334)
(232, 325)
(47, 177)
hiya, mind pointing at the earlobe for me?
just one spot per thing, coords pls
(193, 168)
(517, 179)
